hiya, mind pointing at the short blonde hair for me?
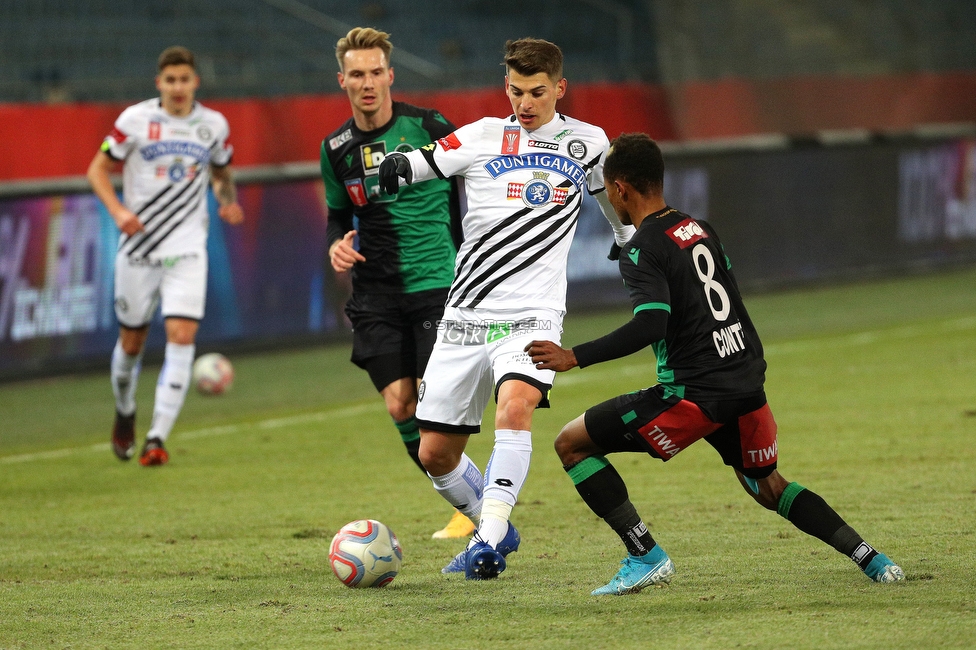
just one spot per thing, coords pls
(363, 38)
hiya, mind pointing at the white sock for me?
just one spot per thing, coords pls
(125, 377)
(174, 380)
(508, 465)
(504, 477)
(494, 521)
(463, 488)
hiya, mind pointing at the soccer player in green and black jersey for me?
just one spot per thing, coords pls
(710, 375)
(404, 263)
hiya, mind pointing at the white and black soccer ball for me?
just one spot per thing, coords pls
(365, 553)
(213, 374)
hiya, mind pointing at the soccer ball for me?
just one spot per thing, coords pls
(213, 374)
(365, 553)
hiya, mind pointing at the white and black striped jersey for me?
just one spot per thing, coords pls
(524, 192)
(166, 174)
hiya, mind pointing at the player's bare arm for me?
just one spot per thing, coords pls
(226, 192)
(99, 175)
(546, 355)
(343, 255)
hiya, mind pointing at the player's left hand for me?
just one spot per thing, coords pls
(546, 355)
(232, 213)
(394, 167)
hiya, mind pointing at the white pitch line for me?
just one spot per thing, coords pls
(273, 423)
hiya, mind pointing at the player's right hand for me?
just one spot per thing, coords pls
(128, 222)
(343, 255)
(394, 167)
(547, 355)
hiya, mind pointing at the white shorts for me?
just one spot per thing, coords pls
(476, 350)
(179, 283)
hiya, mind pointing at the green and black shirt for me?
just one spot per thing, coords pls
(408, 239)
(687, 306)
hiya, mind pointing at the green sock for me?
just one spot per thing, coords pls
(410, 434)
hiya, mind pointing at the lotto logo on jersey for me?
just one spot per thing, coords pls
(510, 139)
(450, 142)
(540, 144)
(372, 155)
(687, 233)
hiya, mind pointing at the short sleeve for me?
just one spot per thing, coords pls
(222, 151)
(121, 141)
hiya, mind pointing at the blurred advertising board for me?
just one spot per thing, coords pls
(789, 213)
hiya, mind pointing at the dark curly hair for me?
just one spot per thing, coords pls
(636, 159)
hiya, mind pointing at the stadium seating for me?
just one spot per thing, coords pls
(105, 50)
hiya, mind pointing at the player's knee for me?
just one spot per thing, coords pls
(515, 413)
(568, 447)
(764, 500)
(132, 340)
(400, 410)
(765, 491)
(563, 448)
(437, 461)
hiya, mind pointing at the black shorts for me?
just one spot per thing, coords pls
(393, 334)
(742, 431)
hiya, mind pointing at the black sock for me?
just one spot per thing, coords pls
(413, 450)
(628, 525)
(810, 513)
(605, 492)
(847, 541)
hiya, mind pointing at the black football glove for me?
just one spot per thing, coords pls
(394, 167)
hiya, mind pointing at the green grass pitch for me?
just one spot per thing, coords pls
(873, 386)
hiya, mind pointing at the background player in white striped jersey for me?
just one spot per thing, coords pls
(524, 179)
(171, 148)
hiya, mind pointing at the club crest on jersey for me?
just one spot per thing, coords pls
(449, 142)
(686, 233)
(357, 194)
(538, 192)
(372, 155)
(341, 139)
(176, 171)
(510, 140)
(154, 130)
(204, 132)
(577, 149)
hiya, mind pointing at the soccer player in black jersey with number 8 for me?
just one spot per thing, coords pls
(710, 372)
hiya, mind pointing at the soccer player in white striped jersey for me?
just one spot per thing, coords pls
(172, 149)
(524, 177)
